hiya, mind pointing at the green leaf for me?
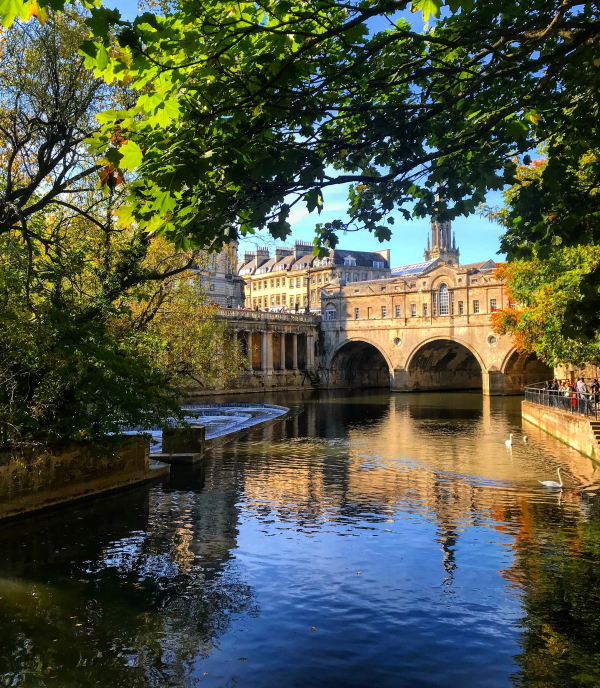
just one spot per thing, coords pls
(516, 129)
(132, 155)
(428, 7)
(314, 199)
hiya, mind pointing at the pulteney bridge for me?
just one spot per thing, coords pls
(425, 329)
(368, 336)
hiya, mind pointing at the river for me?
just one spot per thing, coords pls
(367, 539)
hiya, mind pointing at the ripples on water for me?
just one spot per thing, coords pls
(366, 540)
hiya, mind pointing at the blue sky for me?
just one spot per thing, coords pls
(476, 238)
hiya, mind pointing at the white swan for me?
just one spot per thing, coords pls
(508, 442)
(525, 438)
(552, 483)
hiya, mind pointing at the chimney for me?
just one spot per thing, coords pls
(302, 248)
(281, 252)
(248, 256)
(385, 254)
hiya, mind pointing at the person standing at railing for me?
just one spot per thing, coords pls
(582, 392)
(554, 388)
(594, 389)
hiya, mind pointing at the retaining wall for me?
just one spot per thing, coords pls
(570, 428)
(41, 478)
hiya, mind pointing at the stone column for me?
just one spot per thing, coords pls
(282, 350)
(310, 351)
(267, 352)
(295, 352)
(249, 346)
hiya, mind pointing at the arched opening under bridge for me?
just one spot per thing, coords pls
(444, 364)
(359, 364)
(522, 370)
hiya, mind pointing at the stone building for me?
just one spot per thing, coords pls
(218, 275)
(292, 278)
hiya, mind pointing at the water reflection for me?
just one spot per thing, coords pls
(399, 527)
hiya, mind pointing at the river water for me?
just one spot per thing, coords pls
(367, 539)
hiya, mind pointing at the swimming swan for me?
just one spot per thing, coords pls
(552, 483)
(508, 442)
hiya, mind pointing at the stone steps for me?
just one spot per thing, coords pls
(595, 424)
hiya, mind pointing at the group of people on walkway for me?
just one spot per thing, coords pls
(577, 393)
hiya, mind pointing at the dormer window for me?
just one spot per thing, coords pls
(349, 260)
(378, 264)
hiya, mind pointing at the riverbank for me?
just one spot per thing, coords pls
(571, 428)
(41, 480)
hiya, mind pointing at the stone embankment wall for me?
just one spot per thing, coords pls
(38, 479)
(572, 429)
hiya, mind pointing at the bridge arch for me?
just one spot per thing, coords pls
(444, 363)
(523, 369)
(359, 363)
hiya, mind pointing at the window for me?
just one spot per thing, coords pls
(443, 299)
(378, 264)
(413, 310)
(476, 306)
(365, 277)
(451, 303)
(384, 311)
(511, 304)
(349, 260)
(283, 281)
(425, 310)
(305, 281)
(357, 313)
(278, 300)
(347, 277)
(265, 284)
(283, 299)
(326, 278)
(461, 308)
(473, 281)
(305, 300)
(313, 296)
(255, 303)
(330, 314)
(318, 295)
(272, 283)
(397, 311)
(356, 277)
(291, 284)
(277, 282)
(493, 305)
(319, 279)
(312, 279)
(272, 300)
(297, 281)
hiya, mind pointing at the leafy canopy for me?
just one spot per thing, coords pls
(245, 110)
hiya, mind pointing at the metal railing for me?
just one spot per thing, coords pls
(247, 314)
(581, 403)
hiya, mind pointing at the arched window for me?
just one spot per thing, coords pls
(443, 299)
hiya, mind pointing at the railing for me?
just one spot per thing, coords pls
(266, 316)
(581, 403)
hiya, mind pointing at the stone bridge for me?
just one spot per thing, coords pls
(428, 330)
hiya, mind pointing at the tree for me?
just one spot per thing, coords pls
(554, 288)
(245, 110)
(87, 307)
